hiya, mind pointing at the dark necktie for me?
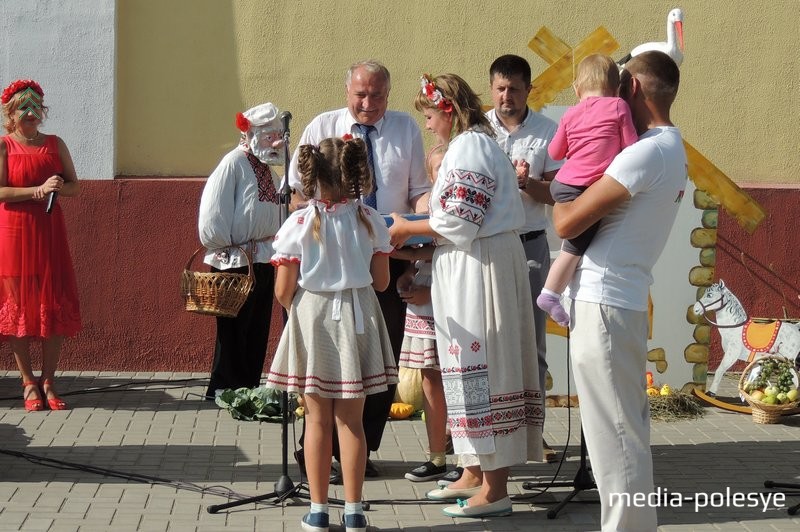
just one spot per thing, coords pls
(371, 198)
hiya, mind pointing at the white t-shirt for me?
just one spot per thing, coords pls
(616, 269)
(531, 139)
(341, 258)
(398, 153)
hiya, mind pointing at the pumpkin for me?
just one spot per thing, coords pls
(400, 411)
(409, 387)
(652, 391)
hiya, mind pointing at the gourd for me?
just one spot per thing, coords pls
(400, 411)
(409, 387)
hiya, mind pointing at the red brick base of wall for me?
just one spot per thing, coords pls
(131, 238)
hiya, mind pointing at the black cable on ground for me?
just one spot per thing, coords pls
(219, 491)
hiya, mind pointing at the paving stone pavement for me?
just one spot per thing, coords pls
(143, 451)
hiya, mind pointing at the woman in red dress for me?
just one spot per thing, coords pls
(38, 294)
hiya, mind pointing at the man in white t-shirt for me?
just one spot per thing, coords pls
(524, 135)
(398, 161)
(636, 200)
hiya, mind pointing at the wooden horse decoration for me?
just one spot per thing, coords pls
(745, 338)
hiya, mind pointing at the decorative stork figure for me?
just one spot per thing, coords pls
(674, 45)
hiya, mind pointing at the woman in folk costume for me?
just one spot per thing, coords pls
(482, 308)
(239, 207)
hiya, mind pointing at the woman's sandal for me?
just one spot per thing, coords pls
(32, 405)
(55, 403)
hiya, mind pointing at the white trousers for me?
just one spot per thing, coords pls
(609, 352)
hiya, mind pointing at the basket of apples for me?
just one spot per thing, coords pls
(769, 385)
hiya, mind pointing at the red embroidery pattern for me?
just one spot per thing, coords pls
(455, 350)
(284, 260)
(466, 369)
(509, 413)
(422, 325)
(315, 384)
(475, 347)
(467, 195)
(414, 359)
(266, 188)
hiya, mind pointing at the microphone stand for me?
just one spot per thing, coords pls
(583, 480)
(283, 488)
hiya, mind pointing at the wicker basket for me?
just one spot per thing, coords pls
(762, 412)
(216, 293)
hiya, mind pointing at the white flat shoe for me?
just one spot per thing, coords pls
(500, 508)
(451, 494)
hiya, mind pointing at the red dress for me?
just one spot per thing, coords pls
(38, 294)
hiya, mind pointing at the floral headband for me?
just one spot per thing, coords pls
(435, 95)
(19, 85)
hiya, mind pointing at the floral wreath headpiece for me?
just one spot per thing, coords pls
(435, 95)
(19, 85)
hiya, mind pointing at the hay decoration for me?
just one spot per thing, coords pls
(674, 406)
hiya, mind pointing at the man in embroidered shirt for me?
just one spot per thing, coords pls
(524, 135)
(402, 186)
(239, 207)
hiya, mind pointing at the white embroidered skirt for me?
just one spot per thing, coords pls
(320, 351)
(419, 353)
(487, 350)
(419, 342)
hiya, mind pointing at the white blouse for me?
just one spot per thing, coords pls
(341, 258)
(475, 194)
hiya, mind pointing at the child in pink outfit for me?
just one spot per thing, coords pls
(589, 135)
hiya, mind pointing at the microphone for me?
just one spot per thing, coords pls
(286, 116)
(51, 201)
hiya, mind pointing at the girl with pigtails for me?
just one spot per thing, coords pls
(330, 258)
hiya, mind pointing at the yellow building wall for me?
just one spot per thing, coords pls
(185, 67)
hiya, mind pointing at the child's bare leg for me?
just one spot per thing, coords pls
(435, 412)
(561, 272)
(352, 445)
(318, 442)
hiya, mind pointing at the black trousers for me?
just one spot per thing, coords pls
(241, 345)
(377, 406)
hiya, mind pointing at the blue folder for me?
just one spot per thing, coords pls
(414, 240)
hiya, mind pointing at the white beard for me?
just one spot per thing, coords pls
(263, 150)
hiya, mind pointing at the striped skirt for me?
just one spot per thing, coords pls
(321, 353)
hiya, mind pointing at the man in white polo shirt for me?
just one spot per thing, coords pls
(524, 135)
